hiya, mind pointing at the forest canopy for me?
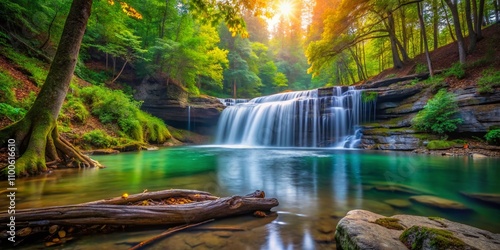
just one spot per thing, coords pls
(251, 48)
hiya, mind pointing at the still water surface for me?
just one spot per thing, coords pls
(314, 187)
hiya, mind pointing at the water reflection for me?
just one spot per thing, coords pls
(314, 187)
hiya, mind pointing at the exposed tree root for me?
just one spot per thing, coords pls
(39, 145)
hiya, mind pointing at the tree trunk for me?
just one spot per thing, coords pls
(435, 23)
(201, 206)
(470, 26)
(394, 47)
(424, 36)
(121, 71)
(479, 21)
(448, 22)
(495, 2)
(36, 134)
(458, 30)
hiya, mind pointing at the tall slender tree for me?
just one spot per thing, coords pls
(36, 135)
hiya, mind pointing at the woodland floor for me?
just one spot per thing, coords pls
(442, 58)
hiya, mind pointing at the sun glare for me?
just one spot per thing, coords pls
(285, 8)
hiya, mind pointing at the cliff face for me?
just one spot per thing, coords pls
(398, 103)
(173, 104)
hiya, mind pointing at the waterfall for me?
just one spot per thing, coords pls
(189, 118)
(317, 118)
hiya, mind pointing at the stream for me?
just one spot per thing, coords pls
(315, 188)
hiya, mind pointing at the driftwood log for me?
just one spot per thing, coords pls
(122, 211)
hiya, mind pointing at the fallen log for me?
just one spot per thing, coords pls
(134, 210)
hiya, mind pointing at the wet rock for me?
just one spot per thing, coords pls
(398, 203)
(223, 234)
(193, 241)
(438, 202)
(377, 206)
(398, 188)
(358, 231)
(338, 214)
(324, 238)
(478, 156)
(493, 199)
(213, 241)
(324, 227)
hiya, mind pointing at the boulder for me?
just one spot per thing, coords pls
(361, 229)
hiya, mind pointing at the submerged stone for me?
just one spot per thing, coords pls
(398, 203)
(437, 202)
(484, 197)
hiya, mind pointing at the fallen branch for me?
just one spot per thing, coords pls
(167, 233)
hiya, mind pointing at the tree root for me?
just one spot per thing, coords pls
(40, 146)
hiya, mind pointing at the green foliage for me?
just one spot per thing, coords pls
(33, 67)
(440, 144)
(489, 81)
(99, 138)
(457, 70)
(113, 106)
(369, 96)
(420, 68)
(75, 107)
(280, 81)
(436, 83)
(438, 114)
(493, 137)
(14, 114)
(92, 76)
(6, 88)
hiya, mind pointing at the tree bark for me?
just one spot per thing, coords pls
(448, 22)
(470, 26)
(424, 36)
(435, 23)
(479, 21)
(36, 134)
(458, 31)
(394, 47)
(204, 207)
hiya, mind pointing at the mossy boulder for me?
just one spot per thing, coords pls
(418, 237)
(361, 229)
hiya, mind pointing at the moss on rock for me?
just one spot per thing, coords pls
(418, 237)
(390, 223)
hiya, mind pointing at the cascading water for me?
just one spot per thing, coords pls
(316, 118)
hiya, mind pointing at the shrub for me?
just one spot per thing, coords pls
(113, 106)
(436, 83)
(439, 144)
(457, 70)
(99, 138)
(493, 137)
(14, 114)
(437, 115)
(76, 108)
(420, 68)
(489, 80)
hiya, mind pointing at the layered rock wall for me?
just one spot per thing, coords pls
(170, 102)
